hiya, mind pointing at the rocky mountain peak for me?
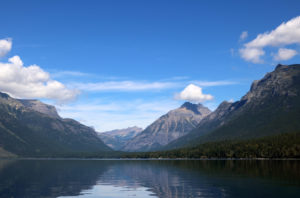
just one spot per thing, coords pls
(191, 106)
(171, 126)
(29, 104)
(7, 100)
(277, 83)
(38, 106)
(4, 95)
(224, 105)
(280, 82)
(187, 104)
(280, 66)
(195, 108)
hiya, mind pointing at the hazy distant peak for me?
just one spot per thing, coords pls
(123, 131)
(117, 138)
(135, 128)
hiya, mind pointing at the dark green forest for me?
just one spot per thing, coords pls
(285, 145)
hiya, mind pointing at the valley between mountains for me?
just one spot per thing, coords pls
(265, 122)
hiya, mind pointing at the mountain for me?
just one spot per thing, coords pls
(272, 106)
(168, 127)
(38, 106)
(32, 128)
(116, 139)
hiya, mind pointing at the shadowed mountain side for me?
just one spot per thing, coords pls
(25, 131)
(272, 106)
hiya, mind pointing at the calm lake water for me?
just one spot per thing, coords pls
(149, 178)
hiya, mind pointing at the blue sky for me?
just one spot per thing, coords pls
(115, 64)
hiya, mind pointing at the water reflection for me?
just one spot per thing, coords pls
(111, 191)
(164, 179)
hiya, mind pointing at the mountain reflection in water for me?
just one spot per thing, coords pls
(149, 178)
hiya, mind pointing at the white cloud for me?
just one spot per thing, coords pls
(231, 100)
(214, 83)
(5, 46)
(104, 116)
(124, 86)
(285, 54)
(252, 54)
(31, 82)
(193, 93)
(243, 36)
(61, 74)
(143, 86)
(285, 34)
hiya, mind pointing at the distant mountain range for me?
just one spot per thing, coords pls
(272, 106)
(116, 139)
(32, 128)
(168, 127)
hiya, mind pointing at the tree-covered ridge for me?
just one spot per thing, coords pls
(285, 145)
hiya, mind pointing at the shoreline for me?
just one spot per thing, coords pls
(151, 159)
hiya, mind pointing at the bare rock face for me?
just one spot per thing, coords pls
(38, 106)
(275, 84)
(7, 100)
(168, 127)
(29, 105)
(116, 139)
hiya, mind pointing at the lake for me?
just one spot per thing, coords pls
(149, 178)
